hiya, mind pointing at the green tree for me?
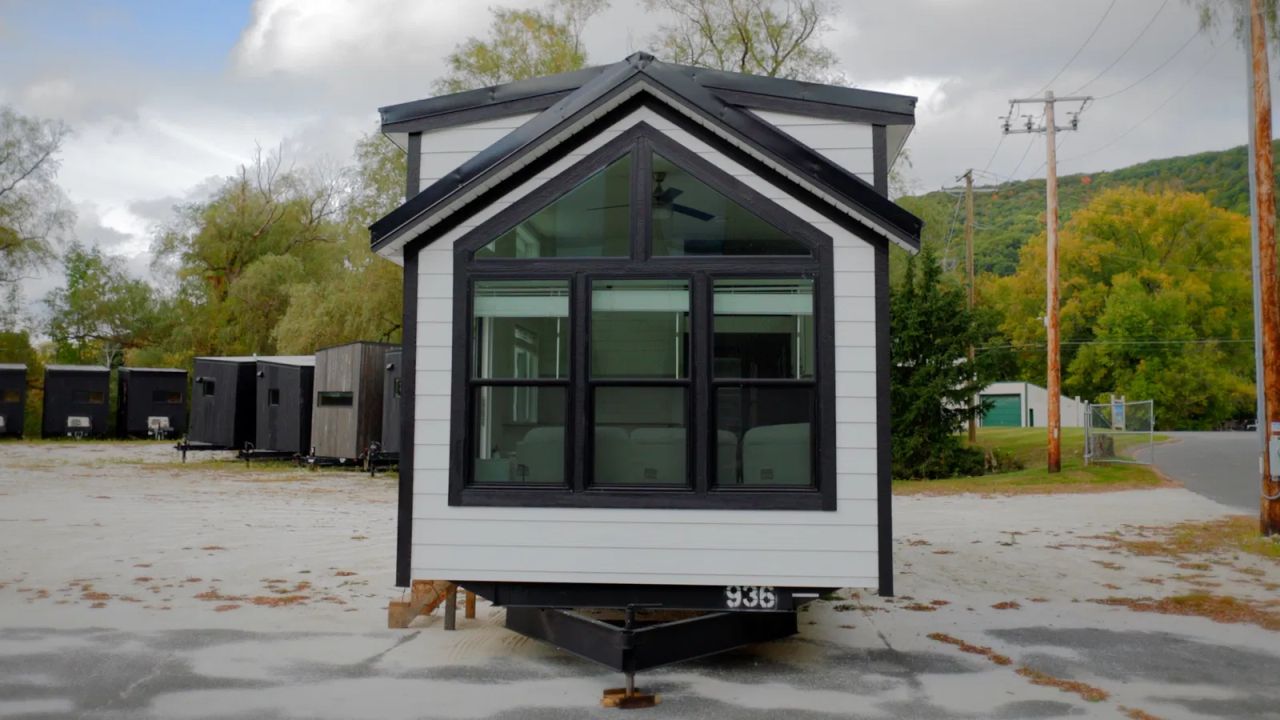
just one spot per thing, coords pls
(522, 44)
(777, 38)
(932, 381)
(237, 255)
(360, 296)
(1155, 304)
(32, 206)
(101, 312)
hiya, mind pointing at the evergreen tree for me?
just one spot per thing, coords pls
(932, 381)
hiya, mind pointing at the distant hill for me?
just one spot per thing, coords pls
(1014, 213)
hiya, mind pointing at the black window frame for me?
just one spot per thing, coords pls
(641, 140)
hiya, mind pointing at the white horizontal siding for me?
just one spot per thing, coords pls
(616, 545)
(447, 148)
(848, 144)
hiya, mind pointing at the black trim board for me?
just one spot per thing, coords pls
(686, 124)
(880, 158)
(408, 400)
(413, 166)
(884, 434)
(846, 188)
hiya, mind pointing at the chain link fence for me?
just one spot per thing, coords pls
(1119, 431)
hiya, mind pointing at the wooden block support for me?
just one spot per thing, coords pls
(471, 605)
(424, 597)
(451, 608)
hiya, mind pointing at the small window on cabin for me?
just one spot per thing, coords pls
(12, 396)
(208, 387)
(395, 388)
(692, 218)
(273, 396)
(519, 381)
(591, 220)
(640, 382)
(166, 397)
(88, 397)
(763, 328)
(333, 398)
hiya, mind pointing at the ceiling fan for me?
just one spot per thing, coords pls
(665, 199)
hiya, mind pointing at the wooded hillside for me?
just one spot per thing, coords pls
(1012, 214)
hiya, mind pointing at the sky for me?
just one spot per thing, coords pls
(167, 97)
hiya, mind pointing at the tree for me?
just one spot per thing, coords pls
(1212, 11)
(360, 297)
(101, 312)
(932, 381)
(777, 38)
(522, 44)
(32, 207)
(1155, 305)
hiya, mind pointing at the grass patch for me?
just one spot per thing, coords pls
(1218, 608)
(1234, 534)
(1027, 447)
(1080, 479)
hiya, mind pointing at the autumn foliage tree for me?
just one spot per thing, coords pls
(1155, 305)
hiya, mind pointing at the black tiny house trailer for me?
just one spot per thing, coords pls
(13, 398)
(76, 401)
(151, 402)
(284, 404)
(346, 416)
(646, 349)
(391, 403)
(223, 394)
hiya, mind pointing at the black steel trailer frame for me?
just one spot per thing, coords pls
(553, 613)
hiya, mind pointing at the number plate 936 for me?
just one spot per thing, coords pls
(750, 597)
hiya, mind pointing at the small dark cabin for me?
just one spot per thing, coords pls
(391, 403)
(223, 393)
(76, 401)
(13, 398)
(347, 414)
(284, 403)
(151, 402)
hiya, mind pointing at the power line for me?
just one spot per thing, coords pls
(1154, 341)
(1157, 69)
(1081, 48)
(1153, 113)
(1014, 173)
(1121, 56)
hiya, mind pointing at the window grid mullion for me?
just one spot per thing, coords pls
(578, 446)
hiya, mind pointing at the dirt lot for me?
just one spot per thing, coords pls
(132, 586)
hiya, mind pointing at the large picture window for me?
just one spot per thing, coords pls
(647, 338)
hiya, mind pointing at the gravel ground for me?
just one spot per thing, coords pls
(132, 586)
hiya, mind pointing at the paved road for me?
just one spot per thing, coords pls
(1221, 466)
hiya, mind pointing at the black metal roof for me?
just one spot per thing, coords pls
(749, 91)
(679, 82)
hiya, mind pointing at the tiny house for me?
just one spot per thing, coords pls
(151, 402)
(76, 401)
(284, 403)
(223, 397)
(13, 399)
(346, 416)
(646, 348)
(391, 390)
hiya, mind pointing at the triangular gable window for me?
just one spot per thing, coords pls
(692, 218)
(591, 220)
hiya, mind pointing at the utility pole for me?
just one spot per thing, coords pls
(1266, 300)
(968, 263)
(1054, 360)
